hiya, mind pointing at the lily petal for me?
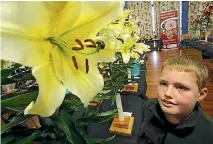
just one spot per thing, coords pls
(126, 57)
(22, 40)
(128, 43)
(141, 47)
(28, 52)
(93, 16)
(74, 76)
(51, 93)
(28, 17)
(108, 53)
(62, 15)
(135, 55)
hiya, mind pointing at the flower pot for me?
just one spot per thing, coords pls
(135, 70)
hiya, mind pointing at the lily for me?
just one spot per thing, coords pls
(138, 49)
(57, 39)
(128, 36)
(141, 48)
(126, 44)
(108, 54)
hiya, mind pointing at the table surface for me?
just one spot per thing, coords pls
(142, 86)
(196, 44)
(209, 52)
(130, 104)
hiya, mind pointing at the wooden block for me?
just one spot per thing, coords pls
(33, 122)
(203, 42)
(2, 122)
(123, 131)
(121, 124)
(94, 103)
(132, 88)
(6, 115)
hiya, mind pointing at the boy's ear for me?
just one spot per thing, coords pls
(203, 94)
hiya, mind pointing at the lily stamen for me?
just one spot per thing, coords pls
(78, 48)
(121, 40)
(99, 45)
(93, 45)
(87, 66)
(75, 62)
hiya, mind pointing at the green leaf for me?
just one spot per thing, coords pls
(7, 72)
(120, 80)
(6, 139)
(19, 100)
(107, 83)
(70, 96)
(17, 109)
(65, 122)
(113, 99)
(97, 118)
(65, 128)
(15, 121)
(99, 141)
(108, 88)
(91, 110)
(5, 81)
(73, 102)
(120, 86)
(122, 70)
(100, 97)
(28, 76)
(28, 139)
(114, 75)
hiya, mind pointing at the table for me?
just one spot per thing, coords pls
(196, 45)
(142, 85)
(209, 53)
(130, 104)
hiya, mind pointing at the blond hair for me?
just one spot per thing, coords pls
(188, 64)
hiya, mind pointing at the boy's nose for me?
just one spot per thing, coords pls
(168, 92)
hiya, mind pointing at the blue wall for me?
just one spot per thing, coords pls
(185, 11)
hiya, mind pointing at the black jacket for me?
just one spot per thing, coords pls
(155, 129)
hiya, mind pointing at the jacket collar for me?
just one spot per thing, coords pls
(187, 123)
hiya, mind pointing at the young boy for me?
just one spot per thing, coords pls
(176, 117)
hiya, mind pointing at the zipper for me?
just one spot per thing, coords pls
(162, 141)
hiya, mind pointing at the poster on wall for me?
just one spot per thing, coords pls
(169, 29)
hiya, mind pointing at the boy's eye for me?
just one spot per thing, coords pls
(181, 88)
(163, 84)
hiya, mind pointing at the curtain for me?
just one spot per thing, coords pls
(163, 6)
(142, 14)
(196, 8)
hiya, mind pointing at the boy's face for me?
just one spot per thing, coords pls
(177, 92)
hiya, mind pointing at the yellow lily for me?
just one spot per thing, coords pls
(119, 26)
(135, 55)
(129, 47)
(125, 47)
(108, 54)
(141, 48)
(46, 36)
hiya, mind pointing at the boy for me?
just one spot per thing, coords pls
(176, 117)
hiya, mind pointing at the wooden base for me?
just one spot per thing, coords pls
(94, 103)
(131, 88)
(203, 42)
(122, 127)
(33, 123)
